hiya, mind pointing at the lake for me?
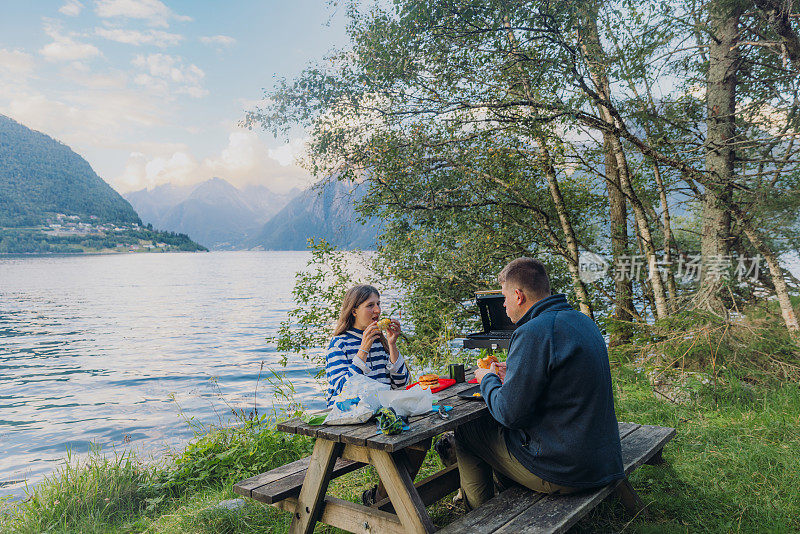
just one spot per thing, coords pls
(106, 351)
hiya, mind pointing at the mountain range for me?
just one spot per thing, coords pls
(223, 217)
(44, 183)
(325, 211)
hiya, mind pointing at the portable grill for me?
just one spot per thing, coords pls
(497, 327)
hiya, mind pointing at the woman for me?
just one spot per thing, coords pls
(358, 346)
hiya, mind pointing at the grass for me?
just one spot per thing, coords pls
(733, 466)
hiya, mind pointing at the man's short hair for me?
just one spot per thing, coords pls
(527, 274)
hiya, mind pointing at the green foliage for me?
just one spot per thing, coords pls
(318, 293)
(229, 454)
(464, 117)
(83, 496)
(31, 241)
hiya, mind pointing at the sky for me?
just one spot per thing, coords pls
(152, 91)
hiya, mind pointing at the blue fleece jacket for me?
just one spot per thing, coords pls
(556, 404)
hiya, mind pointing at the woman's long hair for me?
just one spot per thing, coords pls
(354, 298)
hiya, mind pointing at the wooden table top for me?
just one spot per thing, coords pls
(422, 426)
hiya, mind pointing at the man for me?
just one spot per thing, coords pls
(552, 427)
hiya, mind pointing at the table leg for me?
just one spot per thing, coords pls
(416, 457)
(394, 473)
(315, 485)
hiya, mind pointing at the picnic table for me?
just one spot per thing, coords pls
(301, 487)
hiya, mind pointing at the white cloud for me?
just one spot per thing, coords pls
(79, 73)
(72, 8)
(218, 40)
(137, 38)
(64, 47)
(153, 11)
(165, 74)
(245, 160)
(85, 119)
(67, 49)
(40, 113)
(288, 153)
(179, 169)
(16, 62)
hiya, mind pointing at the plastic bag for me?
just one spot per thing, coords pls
(364, 388)
(407, 402)
(359, 413)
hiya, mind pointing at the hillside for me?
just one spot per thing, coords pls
(325, 212)
(40, 177)
(51, 201)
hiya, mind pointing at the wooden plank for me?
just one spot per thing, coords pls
(626, 428)
(338, 432)
(407, 502)
(297, 426)
(359, 436)
(315, 485)
(555, 513)
(356, 453)
(431, 488)
(351, 517)
(643, 444)
(245, 487)
(289, 486)
(537, 513)
(494, 513)
(462, 412)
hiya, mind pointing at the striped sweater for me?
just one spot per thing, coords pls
(342, 361)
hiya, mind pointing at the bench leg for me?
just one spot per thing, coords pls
(628, 496)
(394, 473)
(315, 485)
(656, 459)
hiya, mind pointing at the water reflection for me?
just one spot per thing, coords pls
(104, 349)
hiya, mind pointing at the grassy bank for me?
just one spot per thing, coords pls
(731, 391)
(733, 467)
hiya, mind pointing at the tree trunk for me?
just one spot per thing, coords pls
(566, 226)
(776, 272)
(572, 255)
(623, 287)
(720, 124)
(672, 288)
(596, 61)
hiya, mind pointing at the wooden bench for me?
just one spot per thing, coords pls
(519, 510)
(285, 481)
(515, 510)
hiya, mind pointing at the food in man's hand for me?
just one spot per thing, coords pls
(428, 381)
(485, 363)
(384, 323)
